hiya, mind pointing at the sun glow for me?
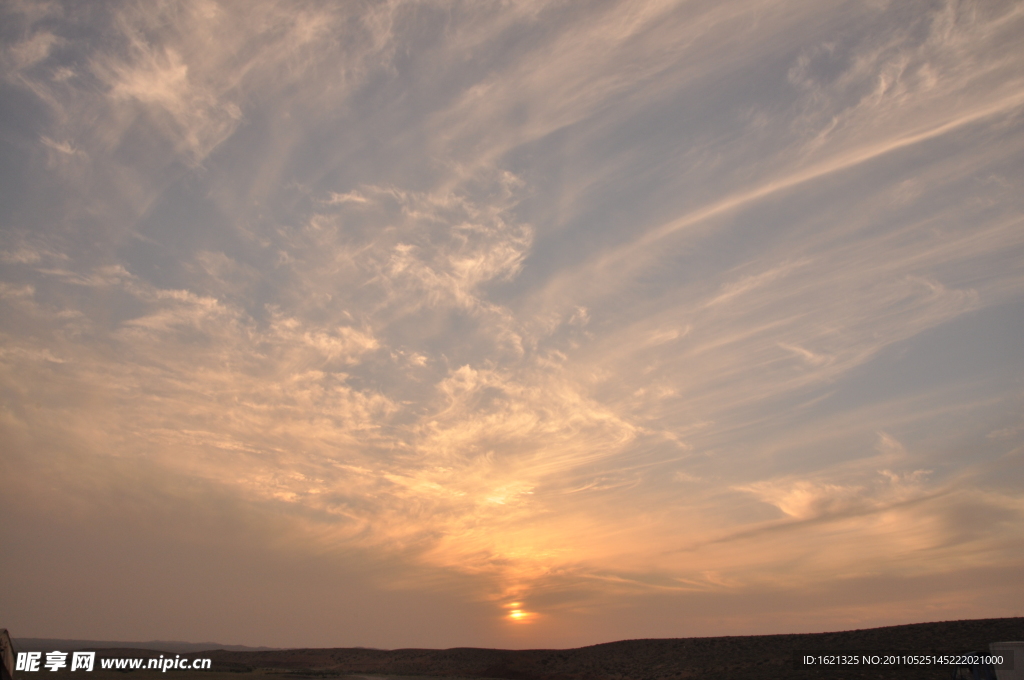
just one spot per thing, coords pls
(517, 614)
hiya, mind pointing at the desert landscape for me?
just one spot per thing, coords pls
(738, 657)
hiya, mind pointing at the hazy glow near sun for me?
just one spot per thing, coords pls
(520, 616)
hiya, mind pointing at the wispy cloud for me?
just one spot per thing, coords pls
(549, 309)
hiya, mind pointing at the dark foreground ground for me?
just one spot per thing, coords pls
(740, 658)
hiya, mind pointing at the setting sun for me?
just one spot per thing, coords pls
(517, 614)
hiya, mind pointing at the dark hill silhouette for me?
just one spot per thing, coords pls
(737, 657)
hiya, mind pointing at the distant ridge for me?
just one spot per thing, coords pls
(749, 657)
(50, 644)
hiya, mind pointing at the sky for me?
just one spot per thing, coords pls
(511, 324)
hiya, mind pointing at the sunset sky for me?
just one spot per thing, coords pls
(510, 324)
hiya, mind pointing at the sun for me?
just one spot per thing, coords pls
(517, 614)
